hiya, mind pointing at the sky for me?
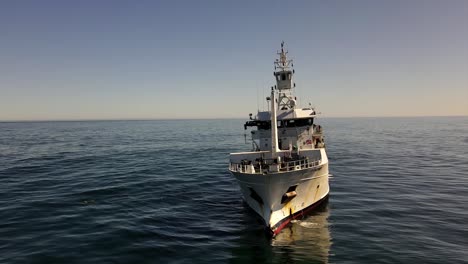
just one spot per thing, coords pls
(67, 60)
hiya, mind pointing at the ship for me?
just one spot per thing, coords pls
(285, 175)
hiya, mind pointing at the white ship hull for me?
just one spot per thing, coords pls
(286, 172)
(265, 193)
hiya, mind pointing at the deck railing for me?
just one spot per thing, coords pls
(263, 166)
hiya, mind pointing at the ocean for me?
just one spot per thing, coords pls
(160, 192)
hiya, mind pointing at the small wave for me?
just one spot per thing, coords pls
(307, 224)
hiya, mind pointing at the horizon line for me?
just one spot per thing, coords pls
(197, 118)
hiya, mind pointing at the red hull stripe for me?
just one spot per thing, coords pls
(285, 221)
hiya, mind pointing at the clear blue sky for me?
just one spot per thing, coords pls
(214, 59)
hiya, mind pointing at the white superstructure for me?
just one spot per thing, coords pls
(286, 173)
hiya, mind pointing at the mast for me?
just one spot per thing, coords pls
(284, 73)
(285, 99)
(274, 126)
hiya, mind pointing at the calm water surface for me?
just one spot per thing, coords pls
(160, 192)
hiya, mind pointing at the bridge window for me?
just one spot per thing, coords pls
(298, 122)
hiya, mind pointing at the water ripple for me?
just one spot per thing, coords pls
(159, 191)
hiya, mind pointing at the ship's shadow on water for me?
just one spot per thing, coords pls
(306, 240)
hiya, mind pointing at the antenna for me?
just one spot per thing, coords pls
(263, 101)
(258, 107)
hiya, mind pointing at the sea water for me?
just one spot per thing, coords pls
(160, 192)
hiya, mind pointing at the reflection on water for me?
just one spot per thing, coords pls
(307, 239)
(303, 241)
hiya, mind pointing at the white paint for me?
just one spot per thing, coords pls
(273, 168)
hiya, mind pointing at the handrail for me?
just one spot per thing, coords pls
(260, 168)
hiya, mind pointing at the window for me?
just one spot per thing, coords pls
(283, 76)
(298, 122)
